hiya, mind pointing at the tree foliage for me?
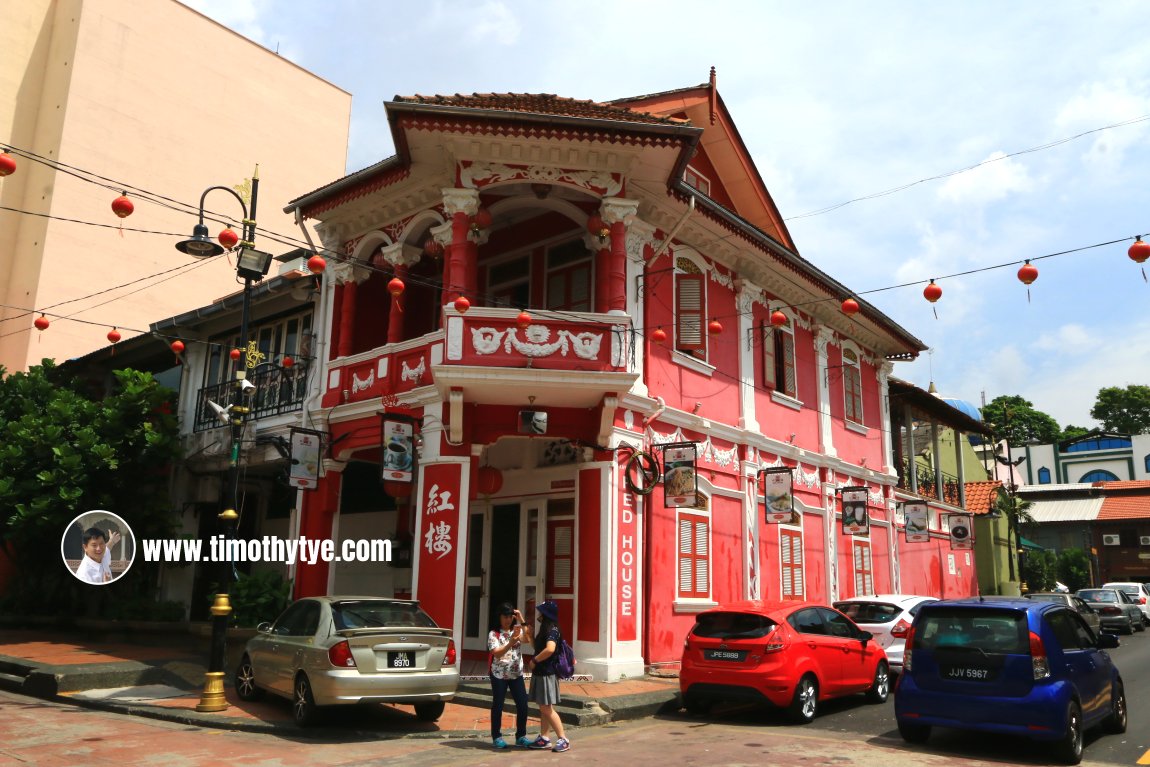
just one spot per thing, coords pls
(64, 452)
(1126, 411)
(1072, 432)
(1013, 418)
(1074, 569)
(1039, 570)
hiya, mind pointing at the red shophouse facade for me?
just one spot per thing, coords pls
(611, 226)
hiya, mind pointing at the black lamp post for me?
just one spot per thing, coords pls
(252, 265)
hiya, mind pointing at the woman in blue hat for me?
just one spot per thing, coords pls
(545, 680)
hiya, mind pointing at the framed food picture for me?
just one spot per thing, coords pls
(679, 477)
(778, 498)
(961, 531)
(917, 522)
(306, 448)
(855, 518)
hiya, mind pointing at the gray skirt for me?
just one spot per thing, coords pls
(545, 689)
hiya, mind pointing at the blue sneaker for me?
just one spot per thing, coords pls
(561, 745)
(524, 741)
(499, 743)
(540, 742)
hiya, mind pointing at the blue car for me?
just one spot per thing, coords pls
(1008, 665)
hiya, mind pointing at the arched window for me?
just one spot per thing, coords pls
(690, 308)
(1099, 475)
(779, 358)
(1044, 476)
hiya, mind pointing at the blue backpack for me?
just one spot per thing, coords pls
(564, 660)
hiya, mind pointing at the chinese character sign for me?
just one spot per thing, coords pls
(305, 453)
(439, 538)
(679, 475)
(778, 485)
(917, 522)
(961, 531)
(855, 518)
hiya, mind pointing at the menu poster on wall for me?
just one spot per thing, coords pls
(961, 531)
(397, 435)
(778, 498)
(917, 522)
(855, 518)
(679, 478)
(305, 458)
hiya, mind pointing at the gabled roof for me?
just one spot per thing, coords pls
(1124, 507)
(980, 496)
(543, 104)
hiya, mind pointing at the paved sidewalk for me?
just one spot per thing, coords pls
(163, 679)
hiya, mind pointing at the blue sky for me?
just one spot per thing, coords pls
(837, 101)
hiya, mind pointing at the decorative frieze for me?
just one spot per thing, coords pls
(476, 175)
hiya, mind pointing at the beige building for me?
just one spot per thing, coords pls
(159, 97)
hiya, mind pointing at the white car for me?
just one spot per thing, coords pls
(887, 617)
(1139, 594)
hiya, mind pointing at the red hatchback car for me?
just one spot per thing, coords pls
(790, 654)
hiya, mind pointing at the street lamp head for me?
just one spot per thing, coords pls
(200, 244)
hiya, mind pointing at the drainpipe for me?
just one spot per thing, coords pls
(648, 527)
(674, 230)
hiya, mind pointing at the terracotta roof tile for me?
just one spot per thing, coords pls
(1124, 484)
(1124, 506)
(544, 104)
(980, 496)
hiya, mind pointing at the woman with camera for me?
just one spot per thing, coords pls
(505, 643)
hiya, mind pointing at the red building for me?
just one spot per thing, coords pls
(579, 280)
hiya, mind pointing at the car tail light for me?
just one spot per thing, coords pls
(1110, 611)
(906, 654)
(775, 641)
(901, 629)
(1038, 660)
(1141, 600)
(449, 656)
(340, 655)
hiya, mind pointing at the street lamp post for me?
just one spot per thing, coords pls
(251, 265)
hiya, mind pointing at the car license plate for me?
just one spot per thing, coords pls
(400, 660)
(731, 655)
(968, 673)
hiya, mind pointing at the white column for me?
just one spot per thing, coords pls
(823, 336)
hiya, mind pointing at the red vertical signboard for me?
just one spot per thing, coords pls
(626, 563)
(439, 540)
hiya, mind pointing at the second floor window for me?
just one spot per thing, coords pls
(275, 339)
(852, 386)
(779, 358)
(690, 309)
(569, 277)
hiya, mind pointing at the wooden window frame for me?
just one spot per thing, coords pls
(790, 544)
(852, 387)
(699, 526)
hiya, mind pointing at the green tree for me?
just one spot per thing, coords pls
(1126, 411)
(1070, 432)
(1038, 570)
(1014, 419)
(64, 452)
(1073, 569)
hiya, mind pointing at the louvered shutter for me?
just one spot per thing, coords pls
(694, 557)
(768, 356)
(690, 309)
(787, 352)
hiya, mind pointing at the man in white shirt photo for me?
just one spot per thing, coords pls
(96, 566)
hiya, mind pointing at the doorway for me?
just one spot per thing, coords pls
(494, 545)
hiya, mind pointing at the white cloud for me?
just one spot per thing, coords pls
(1100, 104)
(1068, 338)
(494, 22)
(996, 178)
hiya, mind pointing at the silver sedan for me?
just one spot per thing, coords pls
(328, 651)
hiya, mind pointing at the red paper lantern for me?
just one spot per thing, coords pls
(1027, 273)
(482, 218)
(316, 264)
(114, 336)
(122, 206)
(778, 319)
(932, 292)
(397, 490)
(523, 320)
(596, 226)
(433, 247)
(178, 346)
(850, 306)
(714, 327)
(395, 287)
(41, 323)
(1139, 251)
(7, 164)
(228, 238)
(488, 480)
(659, 336)
(235, 354)
(288, 363)
(462, 304)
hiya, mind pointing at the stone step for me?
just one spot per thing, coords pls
(576, 711)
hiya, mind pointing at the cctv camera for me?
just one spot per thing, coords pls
(245, 384)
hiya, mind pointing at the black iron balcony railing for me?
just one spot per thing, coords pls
(925, 484)
(277, 390)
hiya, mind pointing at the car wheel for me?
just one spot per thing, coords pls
(245, 681)
(429, 712)
(1069, 749)
(914, 733)
(1129, 627)
(304, 709)
(805, 704)
(1140, 625)
(695, 705)
(880, 690)
(1116, 722)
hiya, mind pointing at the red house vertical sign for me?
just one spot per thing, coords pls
(439, 540)
(626, 563)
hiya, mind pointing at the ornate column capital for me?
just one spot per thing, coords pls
(401, 254)
(615, 209)
(345, 272)
(823, 337)
(460, 201)
(639, 235)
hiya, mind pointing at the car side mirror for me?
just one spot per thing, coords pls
(1107, 641)
(264, 628)
(865, 636)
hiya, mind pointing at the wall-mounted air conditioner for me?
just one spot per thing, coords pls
(1110, 540)
(1144, 540)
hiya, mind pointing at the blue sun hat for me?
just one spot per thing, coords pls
(548, 610)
